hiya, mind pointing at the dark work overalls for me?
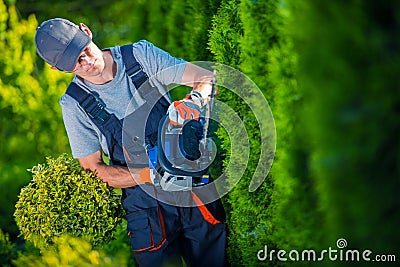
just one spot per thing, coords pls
(160, 233)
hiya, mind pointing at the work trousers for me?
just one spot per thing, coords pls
(163, 232)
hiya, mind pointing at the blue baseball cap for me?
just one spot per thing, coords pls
(60, 42)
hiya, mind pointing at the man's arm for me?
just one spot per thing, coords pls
(190, 108)
(114, 176)
(196, 77)
(194, 73)
(199, 79)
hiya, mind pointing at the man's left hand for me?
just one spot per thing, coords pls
(181, 111)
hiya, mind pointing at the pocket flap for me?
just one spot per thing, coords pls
(139, 231)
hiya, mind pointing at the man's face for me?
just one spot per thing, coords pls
(90, 62)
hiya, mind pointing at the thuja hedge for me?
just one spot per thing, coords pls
(62, 198)
(261, 22)
(296, 219)
(242, 34)
(187, 23)
(223, 43)
(255, 37)
(349, 70)
(334, 93)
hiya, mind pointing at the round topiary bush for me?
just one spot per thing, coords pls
(62, 198)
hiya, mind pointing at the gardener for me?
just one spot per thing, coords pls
(105, 90)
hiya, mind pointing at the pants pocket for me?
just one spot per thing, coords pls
(146, 229)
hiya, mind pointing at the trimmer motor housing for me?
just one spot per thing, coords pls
(184, 155)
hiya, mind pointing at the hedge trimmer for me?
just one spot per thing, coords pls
(180, 171)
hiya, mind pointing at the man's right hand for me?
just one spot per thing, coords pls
(115, 176)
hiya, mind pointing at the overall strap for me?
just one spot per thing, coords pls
(133, 69)
(90, 104)
(108, 124)
(157, 100)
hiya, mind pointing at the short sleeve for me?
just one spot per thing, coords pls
(83, 139)
(162, 68)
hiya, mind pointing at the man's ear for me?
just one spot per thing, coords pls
(86, 30)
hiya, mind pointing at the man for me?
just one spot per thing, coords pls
(161, 233)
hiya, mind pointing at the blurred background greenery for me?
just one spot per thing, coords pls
(329, 70)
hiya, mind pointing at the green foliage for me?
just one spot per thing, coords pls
(70, 251)
(120, 246)
(62, 198)
(197, 25)
(10, 188)
(31, 124)
(111, 22)
(175, 21)
(225, 34)
(156, 26)
(187, 25)
(23, 93)
(242, 35)
(223, 44)
(348, 70)
(296, 219)
(7, 250)
(259, 22)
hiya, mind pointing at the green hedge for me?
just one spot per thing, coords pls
(197, 25)
(296, 218)
(236, 40)
(223, 43)
(7, 250)
(28, 132)
(62, 198)
(349, 70)
(70, 251)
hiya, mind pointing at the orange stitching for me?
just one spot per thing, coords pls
(204, 211)
(126, 154)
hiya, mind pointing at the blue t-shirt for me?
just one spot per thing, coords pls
(119, 95)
